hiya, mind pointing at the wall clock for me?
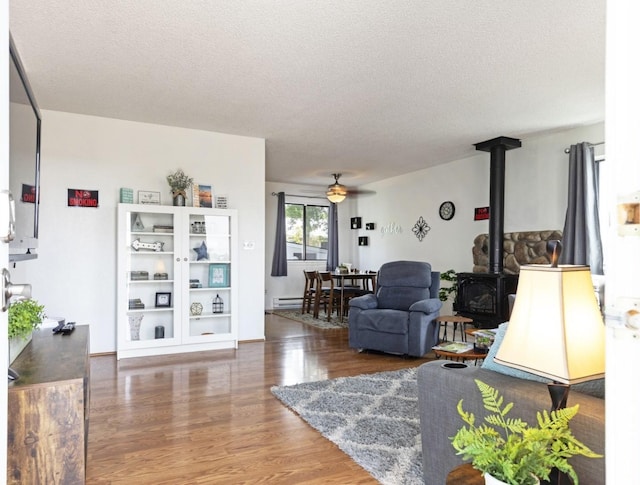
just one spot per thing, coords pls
(447, 210)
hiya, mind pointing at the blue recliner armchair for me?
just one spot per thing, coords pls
(400, 317)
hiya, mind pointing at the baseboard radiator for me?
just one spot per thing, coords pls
(287, 302)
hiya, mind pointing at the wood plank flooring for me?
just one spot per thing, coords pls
(209, 417)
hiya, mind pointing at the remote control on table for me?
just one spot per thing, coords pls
(68, 328)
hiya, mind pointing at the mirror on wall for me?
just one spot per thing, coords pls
(24, 159)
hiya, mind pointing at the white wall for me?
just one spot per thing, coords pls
(535, 199)
(75, 273)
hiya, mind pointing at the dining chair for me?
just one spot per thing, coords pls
(309, 295)
(334, 297)
(369, 285)
(325, 294)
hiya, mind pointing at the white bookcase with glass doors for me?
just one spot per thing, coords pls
(177, 280)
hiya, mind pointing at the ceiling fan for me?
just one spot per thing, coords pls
(336, 192)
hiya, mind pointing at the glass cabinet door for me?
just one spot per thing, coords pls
(150, 265)
(209, 275)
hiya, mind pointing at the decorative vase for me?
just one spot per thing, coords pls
(491, 480)
(134, 326)
(17, 345)
(179, 198)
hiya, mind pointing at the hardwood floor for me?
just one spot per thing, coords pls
(209, 417)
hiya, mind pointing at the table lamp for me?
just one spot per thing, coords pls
(556, 328)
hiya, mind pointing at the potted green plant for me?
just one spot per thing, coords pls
(445, 292)
(512, 451)
(24, 317)
(179, 183)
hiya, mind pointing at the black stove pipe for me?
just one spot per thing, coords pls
(497, 147)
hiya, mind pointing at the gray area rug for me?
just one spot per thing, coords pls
(307, 318)
(372, 417)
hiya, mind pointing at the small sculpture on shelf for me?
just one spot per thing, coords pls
(202, 252)
(218, 305)
(134, 325)
(196, 308)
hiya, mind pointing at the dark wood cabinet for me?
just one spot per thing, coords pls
(48, 410)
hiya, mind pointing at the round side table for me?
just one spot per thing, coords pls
(460, 356)
(444, 320)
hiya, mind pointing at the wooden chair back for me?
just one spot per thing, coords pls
(309, 295)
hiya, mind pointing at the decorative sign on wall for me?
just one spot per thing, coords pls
(391, 228)
(421, 229)
(82, 198)
(28, 193)
(356, 222)
(370, 226)
(481, 213)
(363, 241)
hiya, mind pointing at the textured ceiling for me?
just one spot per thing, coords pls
(369, 88)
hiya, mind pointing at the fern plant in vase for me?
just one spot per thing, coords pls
(511, 450)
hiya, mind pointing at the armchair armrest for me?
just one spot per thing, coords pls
(429, 305)
(364, 302)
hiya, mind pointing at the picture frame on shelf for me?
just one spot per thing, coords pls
(219, 275)
(205, 195)
(148, 197)
(163, 300)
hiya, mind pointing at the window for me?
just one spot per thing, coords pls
(307, 231)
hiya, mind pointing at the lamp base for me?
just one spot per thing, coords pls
(559, 393)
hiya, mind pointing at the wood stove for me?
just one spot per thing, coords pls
(484, 296)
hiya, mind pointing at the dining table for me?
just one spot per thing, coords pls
(353, 277)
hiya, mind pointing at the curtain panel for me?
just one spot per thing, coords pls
(581, 234)
(279, 264)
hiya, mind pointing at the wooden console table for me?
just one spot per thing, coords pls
(48, 410)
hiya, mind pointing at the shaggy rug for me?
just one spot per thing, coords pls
(320, 322)
(372, 417)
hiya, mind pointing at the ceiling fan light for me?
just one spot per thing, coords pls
(337, 192)
(335, 198)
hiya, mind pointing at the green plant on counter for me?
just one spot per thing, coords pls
(511, 450)
(445, 291)
(24, 317)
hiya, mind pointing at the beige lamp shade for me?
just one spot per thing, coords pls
(556, 329)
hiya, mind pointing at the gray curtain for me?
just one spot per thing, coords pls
(332, 253)
(581, 234)
(279, 264)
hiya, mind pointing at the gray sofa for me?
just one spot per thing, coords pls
(440, 389)
(400, 317)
